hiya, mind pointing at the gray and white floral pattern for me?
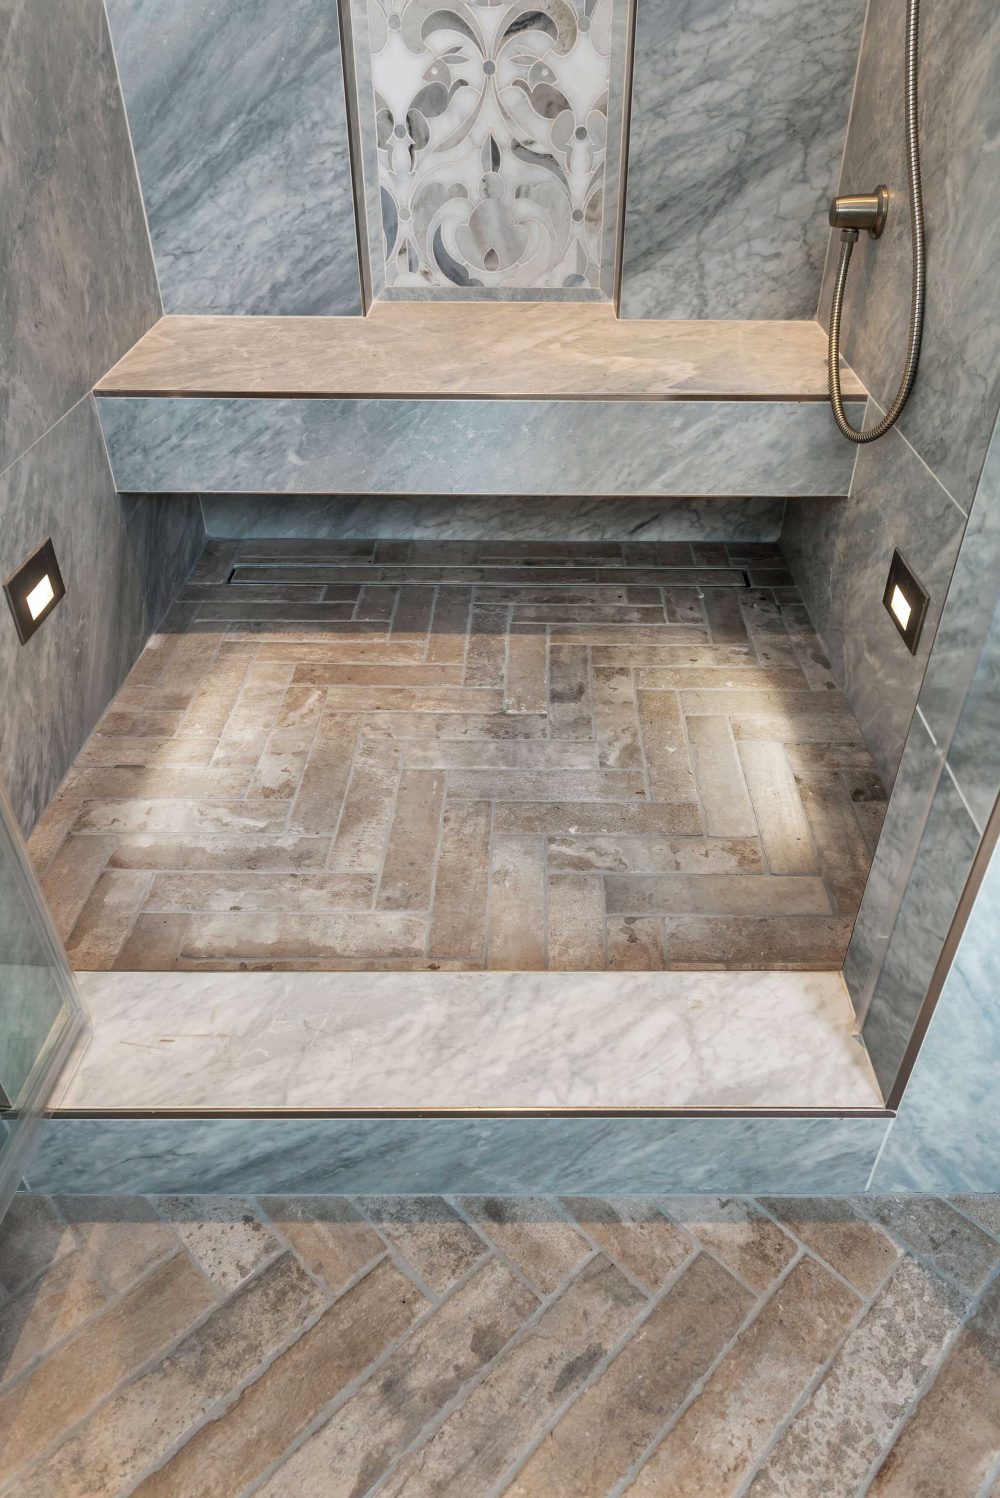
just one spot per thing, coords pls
(491, 122)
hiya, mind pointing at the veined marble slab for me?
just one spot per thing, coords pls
(537, 350)
(529, 447)
(372, 1041)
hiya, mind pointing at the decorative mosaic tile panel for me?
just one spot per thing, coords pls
(493, 131)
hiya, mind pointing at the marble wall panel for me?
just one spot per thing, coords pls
(950, 416)
(739, 114)
(238, 114)
(946, 1136)
(840, 555)
(77, 284)
(121, 559)
(505, 1155)
(504, 517)
(493, 133)
(573, 447)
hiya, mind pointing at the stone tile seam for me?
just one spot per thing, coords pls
(923, 462)
(907, 1250)
(495, 1248)
(809, 1252)
(434, 1297)
(843, 155)
(962, 797)
(48, 432)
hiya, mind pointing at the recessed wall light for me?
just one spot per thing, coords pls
(906, 599)
(34, 589)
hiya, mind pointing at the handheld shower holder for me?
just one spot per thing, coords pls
(861, 211)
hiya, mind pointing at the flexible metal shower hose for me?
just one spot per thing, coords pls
(919, 264)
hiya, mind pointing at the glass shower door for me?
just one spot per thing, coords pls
(40, 1015)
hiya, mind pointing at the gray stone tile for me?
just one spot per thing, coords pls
(943, 1237)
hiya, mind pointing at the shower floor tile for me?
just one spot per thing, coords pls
(466, 756)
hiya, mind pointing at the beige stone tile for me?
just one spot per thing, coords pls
(455, 726)
(869, 802)
(606, 1431)
(180, 818)
(600, 819)
(248, 727)
(953, 1437)
(719, 778)
(575, 918)
(458, 921)
(450, 625)
(364, 1437)
(766, 703)
(88, 1367)
(524, 1390)
(267, 890)
(148, 725)
(223, 1233)
(153, 945)
(362, 833)
(635, 944)
(633, 1233)
(546, 785)
(122, 1235)
(942, 1236)
(716, 894)
(323, 786)
(784, 827)
(107, 918)
(717, 1440)
(143, 1421)
(857, 1249)
(110, 750)
(667, 656)
(403, 675)
(533, 1235)
(844, 857)
(496, 754)
(151, 782)
(239, 1444)
(51, 830)
(206, 715)
(516, 928)
(766, 627)
(237, 607)
(683, 606)
(329, 1236)
(486, 656)
(412, 619)
(248, 936)
(721, 678)
(428, 1235)
(815, 942)
(664, 747)
(746, 1241)
(415, 699)
(32, 1238)
(223, 853)
(725, 617)
(808, 651)
(71, 876)
(375, 602)
(407, 880)
(277, 775)
(818, 725)
(635, 855)
(616, 719)
(829, 1447)
(570, 707)
(63, 1296)
(527, 666)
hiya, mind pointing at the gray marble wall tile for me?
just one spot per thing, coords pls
(946, 1136)
(936, 880)
(504, 517)
(739, 114)
(951, 413)
(77, 285)
(238, 115)
(506, 1155)
(840, 553)
(121, 561)
(551, 447)
(974, 756)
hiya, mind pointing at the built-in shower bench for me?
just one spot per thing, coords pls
(529, 398)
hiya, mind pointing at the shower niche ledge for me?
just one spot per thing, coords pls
(476, 398)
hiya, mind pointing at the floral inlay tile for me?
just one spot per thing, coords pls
(491, 125)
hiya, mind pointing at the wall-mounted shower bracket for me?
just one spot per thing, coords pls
(860, 211)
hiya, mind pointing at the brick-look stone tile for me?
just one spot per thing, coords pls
(206, 714)
(223, 1233)
(324, 783)
(570, 707)
(746, 942)
(71, 876)
(857, 1249)
(575, 922)
(525, 1389)
(532, 1233)
(458, 921)
(616, 719)
(415, 699)
(407, 880)
(450, 626)
(984, 1209)
(843, 853)
(140, 1424)
(725, 618)
(737, 1233)
(412, 619)
(633, 1233)
(407, 674)
(157, 782)
(32, 1238)
(516, 931)
(664, 747)
(545, 785)
(719, 778)
(304, 938)
(54, 1305)
(635, 943)
(233, 1449)
(178, 818)
(594, 818)
(635, 855)
(608, 1428)
(88, 1367)
(428, 1234)
(526, 670)
(495, 754)
(784, 828)
(486, 657)
(108, 750)
(277, 775)
(154, 944)
(953, 1437)
(720, 1436)
(939, 1234)
(766, 624)
(267, 890)
(716, 894)
(330, 1237)
(455, 727)
(224, 854)
(123, 1235)
(838, 1433)
(363, 830)
(366, 1435)
(107, 918)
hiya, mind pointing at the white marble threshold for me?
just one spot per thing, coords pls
(370, 1041)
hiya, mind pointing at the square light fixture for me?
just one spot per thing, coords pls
(34, 589)
(906, 599)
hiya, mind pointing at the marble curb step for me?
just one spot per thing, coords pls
(473, 1041)
(523, 399)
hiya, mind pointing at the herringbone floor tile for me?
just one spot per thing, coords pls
(470, 755)
(499, 1347)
